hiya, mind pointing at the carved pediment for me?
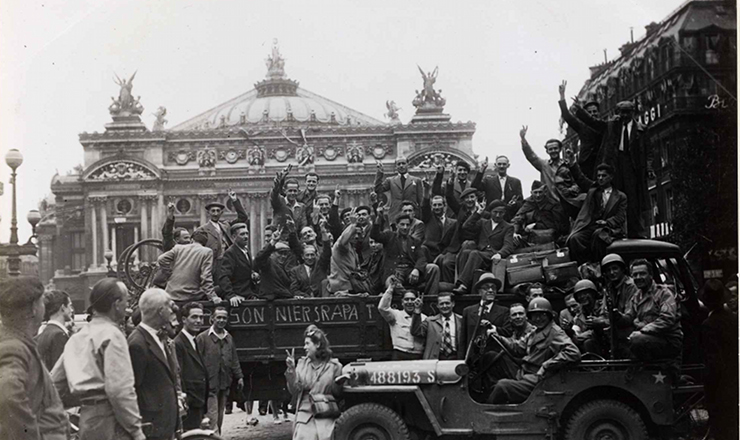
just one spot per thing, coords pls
(122, 170)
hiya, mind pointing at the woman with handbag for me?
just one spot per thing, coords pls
(311, 382)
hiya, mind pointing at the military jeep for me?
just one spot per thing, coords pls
(400, 400)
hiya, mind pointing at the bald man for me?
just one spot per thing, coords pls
(155, 368)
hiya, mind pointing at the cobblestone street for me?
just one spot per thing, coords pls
(236, 428)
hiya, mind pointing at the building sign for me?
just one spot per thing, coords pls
(650, 114)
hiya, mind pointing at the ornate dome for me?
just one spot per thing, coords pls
(277, 100)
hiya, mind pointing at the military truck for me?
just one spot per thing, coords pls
(264, 330)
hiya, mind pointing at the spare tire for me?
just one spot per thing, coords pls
(605, 419)
(368, 421)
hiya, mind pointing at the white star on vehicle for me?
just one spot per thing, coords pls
(660, 377)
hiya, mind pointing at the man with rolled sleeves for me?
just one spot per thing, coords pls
(495, 242)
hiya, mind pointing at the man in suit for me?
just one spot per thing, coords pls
(217, 230)
(402, 186)
(417, 229)
(51, 341)
(602, 218)
(236, 278)
(273, 264)
(308, 195)
(719, 334)
(439, 227)
(155, 366)
(404, 257)
(624, 147)
(171, 235)
(590, 139)
(502, 187)
(442, 333)
(216, 347)
(451, 253)
(193, 374)
(308, 279)
(190, 266)
(495, 242)
(490, 313)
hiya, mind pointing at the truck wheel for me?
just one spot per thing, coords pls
(370, 421)
(606, 419)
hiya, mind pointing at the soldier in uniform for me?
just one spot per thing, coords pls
(544, 351)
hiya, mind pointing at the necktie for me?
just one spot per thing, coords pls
(447, 341)
(163, 339)
(625, 144)
(403, 181)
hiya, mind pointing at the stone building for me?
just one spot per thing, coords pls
(130, 172)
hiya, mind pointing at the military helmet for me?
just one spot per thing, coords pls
(613, 258)
(583, 286)
(540, 305)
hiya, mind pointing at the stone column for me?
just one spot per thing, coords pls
(136, 240)
(94, 229)
(113, 246)
(262, 200)
(143, 208)
(104, 222)
(203, 201)
(253, 232)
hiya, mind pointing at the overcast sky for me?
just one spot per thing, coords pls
(500, 64)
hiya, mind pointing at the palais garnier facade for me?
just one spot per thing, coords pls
(130, 172)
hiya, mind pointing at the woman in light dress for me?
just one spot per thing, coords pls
(312, 374)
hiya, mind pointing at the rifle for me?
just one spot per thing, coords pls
(612, 321)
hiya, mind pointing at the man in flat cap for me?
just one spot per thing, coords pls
(624, 147)
(457, 183)
(590, 139)
(494, 241)
(540, 219)
(217, 230)
(448, 257)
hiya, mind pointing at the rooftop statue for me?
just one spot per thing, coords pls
(275, 62)
(392, 113)
(125, 104)
(160, 121)
(429, 98)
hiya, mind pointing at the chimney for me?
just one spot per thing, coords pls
(632, 34)
(651, 28)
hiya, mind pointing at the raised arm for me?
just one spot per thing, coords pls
(528, 152)
(241, 214)
(596, 124)
(567, 116)
(168, 240)
(381, 185)
(452, 201)
(437, 182)
(384, 306)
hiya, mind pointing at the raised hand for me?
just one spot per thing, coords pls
(170, 210)
(379, 165)
(561, 89)
(523, 132)
(276, 235)
(316, 208)
(337, 192)
(232, 195)
(569, 156)
(353, 216)
(290, 224)
(484, 165)
(290, 360)
(576, 101)
(440, 167)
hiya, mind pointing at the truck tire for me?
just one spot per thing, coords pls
(370, 421)
(605, 419)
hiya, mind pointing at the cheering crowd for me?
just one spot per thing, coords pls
(448, 237)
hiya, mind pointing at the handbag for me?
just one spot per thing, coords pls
(323, 406)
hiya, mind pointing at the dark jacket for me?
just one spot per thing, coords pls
(235, 277)
(498, 316)
(547, 214)
(222, 362)
(51, 344)
(30, 407)
(432, 330)
(301, 284)
(436, 235)
(548, 349)
(411, 190)
(274, 278)
(193, 373)
(589, 137)
(492, 187)
(500, 240)
(214, 241)
(398, 251)
(155, 382)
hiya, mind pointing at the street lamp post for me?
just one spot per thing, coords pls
(13, 251)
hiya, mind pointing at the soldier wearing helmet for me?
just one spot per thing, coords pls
(544, 351)
(619, 292)
(583, 331)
